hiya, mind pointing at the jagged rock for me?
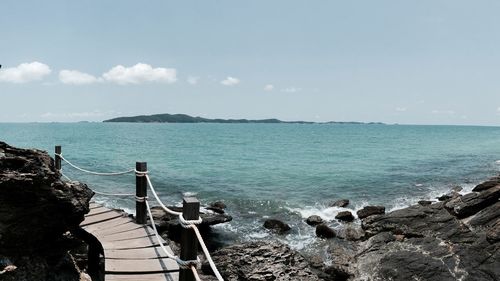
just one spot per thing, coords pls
(471, 203)
(36, 209)
(351, 232)
(262, 260)
(370, 211)
(169, 224)
(345, 216)
(424, 202)
(340, 203)
(324, 231)
(448, 196)
(314, 220)
(217, 207)
(276, 226)
(487, 184)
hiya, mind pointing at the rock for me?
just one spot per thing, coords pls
(471, 203)
(169, 224)
(340, 203)
(217, 207)
(353, 233)
(261, 260)
(324, 231)
(345, 216)
(424, 202)
(370, 211)
(451, 195)
(36, 209)
(314, 220)
(276, 226)
(487, 184)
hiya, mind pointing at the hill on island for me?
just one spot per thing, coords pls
(184, 118)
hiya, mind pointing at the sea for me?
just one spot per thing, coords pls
(282, 171)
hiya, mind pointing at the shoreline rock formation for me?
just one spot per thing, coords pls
(36, 211)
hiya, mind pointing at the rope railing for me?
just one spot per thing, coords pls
(187, 224)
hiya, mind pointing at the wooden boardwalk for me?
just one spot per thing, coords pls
(131, 250)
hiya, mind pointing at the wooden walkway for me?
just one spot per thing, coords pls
(131, 250)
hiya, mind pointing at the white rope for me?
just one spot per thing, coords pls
(181, 263)
(96, 173)
(207, 253)
(103, 193)
(195, 273)
(170, 211)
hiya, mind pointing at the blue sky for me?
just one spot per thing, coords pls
(410, 62)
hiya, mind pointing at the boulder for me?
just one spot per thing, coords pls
(324, 231)
(472, 203)
(261, 260)
(314, 220)
(340, 203)
(487, 184)
(169, 224)
(370, 211)
(37, 208)
(424, 202)
(276, 226)
(217, 207)
(345, 216)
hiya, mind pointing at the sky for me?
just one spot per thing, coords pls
(406, 62)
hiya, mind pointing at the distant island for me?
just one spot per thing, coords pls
(184, 118)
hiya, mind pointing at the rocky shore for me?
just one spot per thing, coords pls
(37, 211)
(453, 238)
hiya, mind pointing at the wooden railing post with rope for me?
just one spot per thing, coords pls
(141, 185)
(57, 158)
(189, 242)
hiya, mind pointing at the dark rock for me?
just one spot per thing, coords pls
(169, 224)
(262, 260)
(472, 203)
(345, 216)
(217, 207)
(370, 211)
(487, 184)
(448, 196)
(276, 226)
(36, 209)
(487, 217)
(314, 220)
(324, 231)
(340, 203)
(352, 233)
(424, 202)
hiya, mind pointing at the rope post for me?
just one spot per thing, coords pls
(57, 159)
(189, 242)
(141, 186)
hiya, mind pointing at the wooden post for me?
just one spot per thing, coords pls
(141, 186)
(57, 159)
(189, 242)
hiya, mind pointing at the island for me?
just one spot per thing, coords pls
(184, 118)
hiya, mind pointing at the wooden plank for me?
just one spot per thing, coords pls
(128, 244)
(138, 265)
(143, 231)
(118, 226)
(173, 276)
(97, 211)
(100, 218)
(139, 253)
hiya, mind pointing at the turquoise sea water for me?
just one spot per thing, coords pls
(287, 171)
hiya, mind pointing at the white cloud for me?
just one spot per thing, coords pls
(443, 112)
(76, 77)
(268, 88)
(230, 81)
(401, 109)
(140, 73)
(25, 72)
(193, 80)
(291, 90)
